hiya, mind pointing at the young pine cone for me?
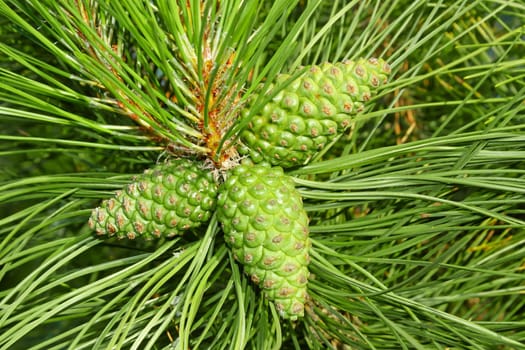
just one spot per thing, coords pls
(166, 200)
(265, 225)
(311, 111)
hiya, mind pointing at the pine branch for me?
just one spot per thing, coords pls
(416, 211)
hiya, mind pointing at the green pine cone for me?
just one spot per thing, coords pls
(264, 223)
(311, 111)
(166, 200)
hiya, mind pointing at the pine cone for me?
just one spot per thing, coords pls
(311, 111)
(264, 223)
(166, 200)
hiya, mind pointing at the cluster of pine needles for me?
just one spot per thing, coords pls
(417, 212)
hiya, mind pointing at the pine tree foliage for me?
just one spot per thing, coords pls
(417, 210)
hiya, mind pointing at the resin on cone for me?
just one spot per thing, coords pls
(310, 112)
(164, 201)
(264, 223)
